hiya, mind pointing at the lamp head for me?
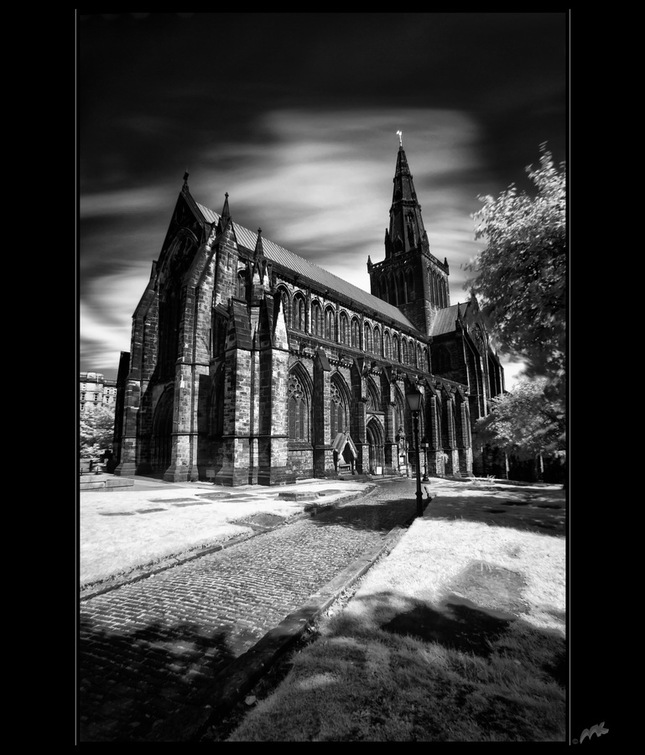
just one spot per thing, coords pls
(414, 400)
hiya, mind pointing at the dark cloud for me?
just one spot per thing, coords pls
(295, 115)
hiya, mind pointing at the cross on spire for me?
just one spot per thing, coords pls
(400, 135)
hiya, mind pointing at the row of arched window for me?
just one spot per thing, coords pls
(398, 287)
(371, 338)
(300, 410)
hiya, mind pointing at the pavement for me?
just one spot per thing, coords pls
(253, 639)
(211, 517)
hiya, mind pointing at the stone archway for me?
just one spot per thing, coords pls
(376, 444)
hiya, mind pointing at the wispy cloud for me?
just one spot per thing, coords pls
(319, 184)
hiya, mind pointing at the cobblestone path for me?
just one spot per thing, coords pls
(149, 647)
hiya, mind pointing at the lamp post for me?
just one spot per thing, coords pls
(414, 402)
(424, 446)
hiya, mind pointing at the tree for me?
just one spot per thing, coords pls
(96, 431)
(520, 277)
(525, 423)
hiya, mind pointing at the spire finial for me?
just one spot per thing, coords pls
(400, 135)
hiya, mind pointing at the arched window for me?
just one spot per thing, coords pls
(404, 351)
(395, 348)
(387, 345)
(282, 297)
(343, 325)
(298, 408)
(377, 340)
(298, 319)
(355, 333)
(367, 337)
(339, 410)
(420, 364)
(242, 280)
(316, 318)
(330, 329)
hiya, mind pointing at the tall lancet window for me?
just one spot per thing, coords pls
(298, 409)
(338, 408)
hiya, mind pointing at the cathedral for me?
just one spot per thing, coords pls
(251, 365)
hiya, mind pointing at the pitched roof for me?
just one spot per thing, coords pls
(446, 318)
(301, 266)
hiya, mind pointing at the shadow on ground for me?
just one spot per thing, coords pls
(128, 682)
(532, 509)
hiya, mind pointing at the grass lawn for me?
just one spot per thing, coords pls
(457, 635)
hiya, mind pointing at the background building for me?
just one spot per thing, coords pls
(250, 364)
(95, 391)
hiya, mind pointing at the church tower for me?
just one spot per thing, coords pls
(410, 277)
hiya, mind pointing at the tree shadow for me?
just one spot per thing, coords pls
(527, 509)
(375, 515)
(543, 512)
(128, 682)
(457, 623)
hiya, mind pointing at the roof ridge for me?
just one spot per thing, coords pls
(386, 309)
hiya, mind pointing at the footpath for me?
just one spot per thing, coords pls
(159, 656)
(130, 532)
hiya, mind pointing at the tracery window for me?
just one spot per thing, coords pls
(387, 345)
(338, 410)
(298, 409)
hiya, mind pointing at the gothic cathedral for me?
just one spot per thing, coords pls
(250, 365)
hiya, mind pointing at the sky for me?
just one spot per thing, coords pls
(295, 116)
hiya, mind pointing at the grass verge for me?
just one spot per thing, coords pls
(457, 636)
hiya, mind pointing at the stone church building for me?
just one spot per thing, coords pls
(251, 365)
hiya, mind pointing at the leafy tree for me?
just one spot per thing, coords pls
(525, 423)
(96, 431)
(520, 277)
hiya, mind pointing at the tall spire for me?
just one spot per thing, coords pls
(406, 232)
(410, 277)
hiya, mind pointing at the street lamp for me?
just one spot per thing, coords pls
(424, 446)
(414, 402)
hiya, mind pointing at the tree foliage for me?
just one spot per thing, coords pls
(96, 430)
(526, 422)
(520, 277)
